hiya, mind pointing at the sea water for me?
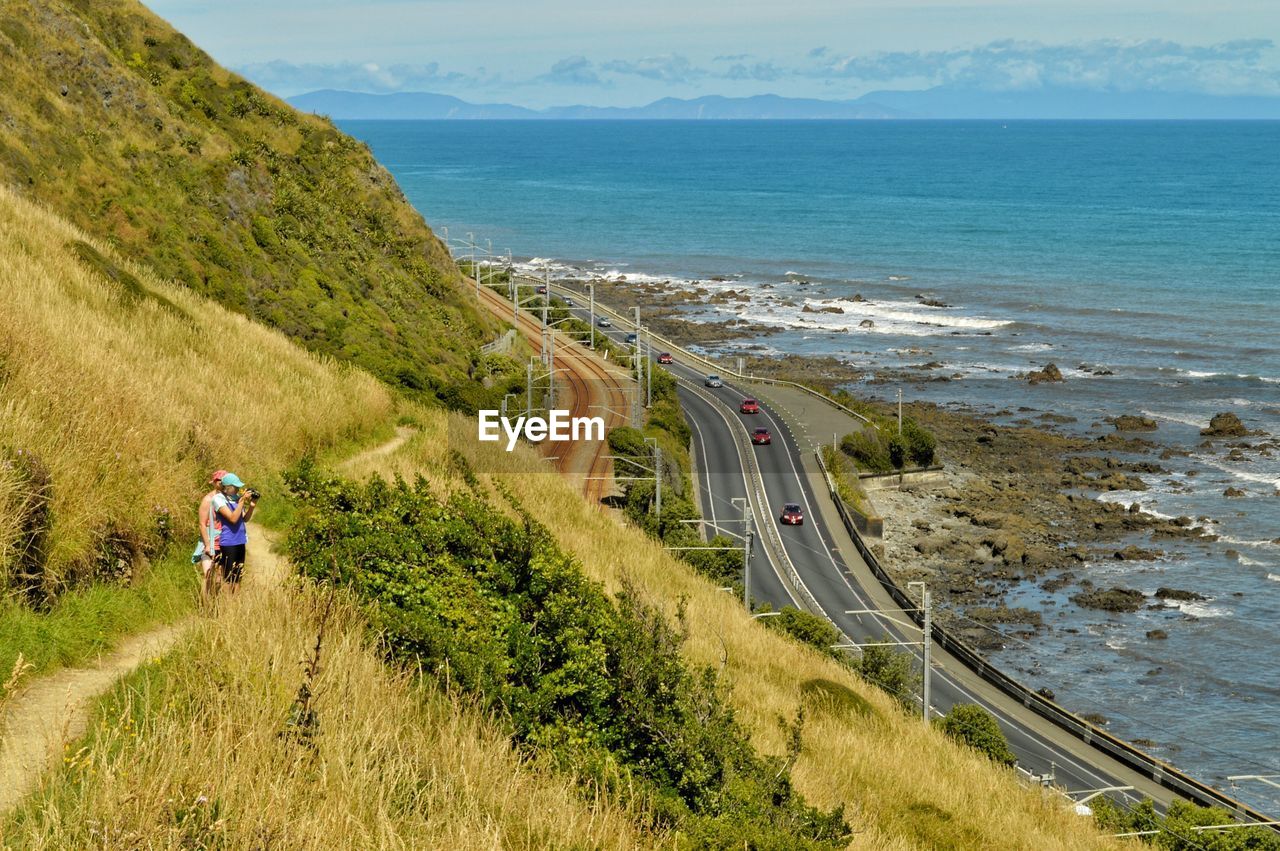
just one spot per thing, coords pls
(1143, 258)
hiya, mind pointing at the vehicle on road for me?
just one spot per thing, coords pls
(792, 515)
(603, 322)
(542, 290)
(749, 406)
(568, 302)
(713, 380)
(665, 357)
(761, 437)
(632, 338)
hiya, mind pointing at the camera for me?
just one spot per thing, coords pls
(253, 495)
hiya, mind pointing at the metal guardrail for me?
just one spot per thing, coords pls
(1158, 770)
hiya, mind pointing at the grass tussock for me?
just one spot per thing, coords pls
(905, 786)
(121, 393)
(191, 751)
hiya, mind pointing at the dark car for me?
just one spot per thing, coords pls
(792, 515)
(603, 322)
(632, 338)
(568, 302)
(761, 437)
(665, 357)
(542, 290)
(749, 406)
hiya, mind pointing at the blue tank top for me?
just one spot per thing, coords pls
(233, 533)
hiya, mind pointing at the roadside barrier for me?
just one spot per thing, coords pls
(1159, 771)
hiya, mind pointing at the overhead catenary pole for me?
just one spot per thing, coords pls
(899, 410)
(528, 405)
(926, 605)
(591, 289)
(748, 544)
(635, 351)
(648, 371)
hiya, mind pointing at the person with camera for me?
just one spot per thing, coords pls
(206, 553)
(235, 506)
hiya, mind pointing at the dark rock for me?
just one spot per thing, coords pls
(1049, 373)
(1225, 425)
(1046, 693)
(1156, 635)
(1135, 553)
(1234, 493)
(1132, 422)
(1178, 594)
(866, 323)
(1232, 553)
(824, 309)
(1097, 719)
(1113, 599)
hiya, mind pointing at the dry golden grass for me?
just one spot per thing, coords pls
(130, 403)
(188, 753)
(906, 787)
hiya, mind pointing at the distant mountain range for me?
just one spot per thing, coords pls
(940, 102)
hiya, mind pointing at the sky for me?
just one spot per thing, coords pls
(607, 53)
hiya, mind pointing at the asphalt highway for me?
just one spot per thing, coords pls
(847, 593)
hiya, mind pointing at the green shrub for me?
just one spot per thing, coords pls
(974, 726)
(460, 590)
(897, 447)
(921, 444)
(891, 670)
(1176, 827)
(810, 629)
(867, 450)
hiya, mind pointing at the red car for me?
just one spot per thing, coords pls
(749, 406)
(542, 290)
(792, 515)
(761, 437)
(665, 357)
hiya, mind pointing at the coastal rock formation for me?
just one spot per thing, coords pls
(1049, 373)
(1133, 422)
(1234, 493)
(1114, 599)
(866, 323)
(830, 308)
(1164, 593)
(1135, 553)
(1156, 635)
(1225, 425)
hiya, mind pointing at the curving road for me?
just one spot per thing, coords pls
(843, 587)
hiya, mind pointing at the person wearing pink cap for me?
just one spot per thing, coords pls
(210, 530)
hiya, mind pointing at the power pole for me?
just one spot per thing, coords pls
(899, 410)
(648, 371)
(528, 405)
(746, 555)
(551, 369)
(928, 640)
(546, 297)
(591, 288)
(635, 400)
(657, 479)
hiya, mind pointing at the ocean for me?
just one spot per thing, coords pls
(1143, 258)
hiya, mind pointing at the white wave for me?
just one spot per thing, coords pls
(1242, 475)
(1242, 542)
(1251, 562)
(1175, 418)
(1198, 608)
(1032, 347)
(1273, 577)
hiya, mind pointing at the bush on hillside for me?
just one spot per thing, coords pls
(974, 726)
(807, 628)
(461, 590)
(891, 670)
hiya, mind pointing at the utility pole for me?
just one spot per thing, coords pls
(546, 297)
(635, 352)
(551, 369)
(748, 545)
(528, 405)
(488, 261)
(515, 292)
(657, 479)
(648, 371)
(899, 410)
(926, 603)
(591, 288)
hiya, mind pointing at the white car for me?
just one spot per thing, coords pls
(713, 380)
(603, 322)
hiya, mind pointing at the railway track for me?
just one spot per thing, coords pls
(595, 389)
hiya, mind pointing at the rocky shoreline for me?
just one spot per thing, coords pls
(1019, 499)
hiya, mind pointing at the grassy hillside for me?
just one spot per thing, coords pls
(123, 126)
(121, 393)
(193, 751)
